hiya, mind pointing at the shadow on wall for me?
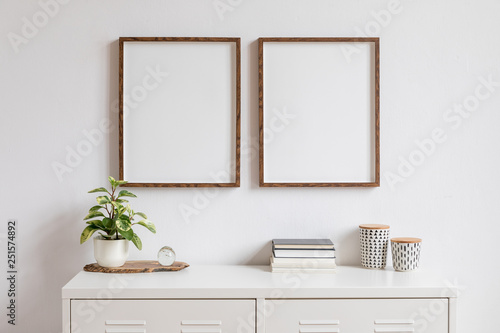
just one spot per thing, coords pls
(253, 141)
(261, 257)
(347, 249)
(113, 106)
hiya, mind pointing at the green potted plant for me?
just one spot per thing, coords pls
(113, 219)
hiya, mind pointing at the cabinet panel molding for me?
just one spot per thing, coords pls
(158, 316)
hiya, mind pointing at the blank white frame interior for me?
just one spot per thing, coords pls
(319, 112)
(180, 111)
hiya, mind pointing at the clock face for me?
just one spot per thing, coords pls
(166, 256)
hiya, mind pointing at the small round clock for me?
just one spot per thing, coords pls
(166, 256)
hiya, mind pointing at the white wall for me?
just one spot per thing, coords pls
(64, 80)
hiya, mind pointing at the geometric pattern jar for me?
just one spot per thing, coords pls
(374, 241)
(405, 253)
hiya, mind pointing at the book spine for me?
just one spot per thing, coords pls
(289, 253)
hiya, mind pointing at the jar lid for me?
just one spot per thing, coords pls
(374, 226)
(406, 240)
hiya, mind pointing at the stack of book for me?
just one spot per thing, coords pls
(303, 256)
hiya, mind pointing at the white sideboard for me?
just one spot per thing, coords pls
(243, 299)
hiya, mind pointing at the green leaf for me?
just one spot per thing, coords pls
(127, 234)
(101, 226)
(99, 189)
(125, 228)
(137, 242)
(87, 233)
(123, 225)
(106, 236)
(148, 224)
(95, 208)
(121, 200)
(94, 222)
(108, 223)
(121, 182)
(117, 205)
(93, 214)
(125, 193)
(112, 181)
(119, 208)
(102, 200)
(141, 215)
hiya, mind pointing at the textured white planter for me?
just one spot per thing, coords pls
(110, 252)
(374, 241)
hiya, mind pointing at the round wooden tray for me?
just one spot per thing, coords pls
(137, 266)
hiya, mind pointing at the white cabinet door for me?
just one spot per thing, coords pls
(407, 315)
(357, 316)
(162, 316)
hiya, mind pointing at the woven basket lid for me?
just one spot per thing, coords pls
(406, 240)
(374, 226)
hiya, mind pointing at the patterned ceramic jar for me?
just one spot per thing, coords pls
(374, 240)
(405, 253)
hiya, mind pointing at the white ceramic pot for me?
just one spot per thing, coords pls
(405, 253)
(374, 241)
(110, 252)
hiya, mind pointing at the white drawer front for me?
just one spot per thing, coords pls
(357, 316)
(162, 316)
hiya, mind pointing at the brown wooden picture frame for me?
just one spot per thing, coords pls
(266, 47)
(234, 67)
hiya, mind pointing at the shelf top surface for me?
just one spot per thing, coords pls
(258, 282)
